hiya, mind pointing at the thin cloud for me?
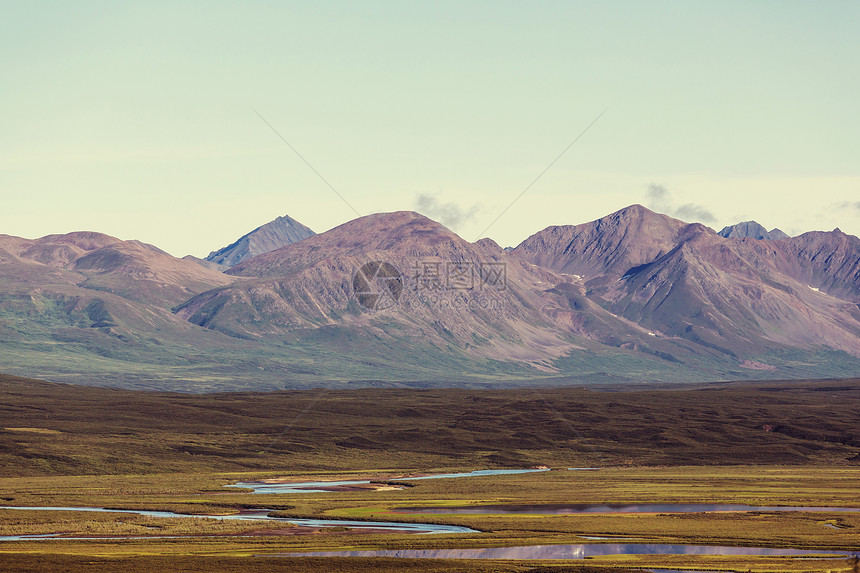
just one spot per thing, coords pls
(693, 212)
(659, 199)
(449, 214)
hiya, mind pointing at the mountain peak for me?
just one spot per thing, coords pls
(273, 235)
(378, 231)
(751, 230)
(635, 211)
(640, 217)
(384, 228)
(86, 240)
(610, 245)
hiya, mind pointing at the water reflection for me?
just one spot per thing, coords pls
(568, 508)
(325, 486)
(570, 551)
(28, 537)
(680, 571)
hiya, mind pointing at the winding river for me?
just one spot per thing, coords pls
(571, 551)
(577, 551)
(260, 515)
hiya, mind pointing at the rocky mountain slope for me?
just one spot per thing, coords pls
(310, 285)
(741, 297)
(273, 235)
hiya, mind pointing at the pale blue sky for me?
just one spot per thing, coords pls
(138, 119)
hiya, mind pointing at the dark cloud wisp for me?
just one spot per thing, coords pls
(659, 199)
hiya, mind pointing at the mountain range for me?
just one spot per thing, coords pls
(398, 299)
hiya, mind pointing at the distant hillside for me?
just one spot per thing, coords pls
(273, 235)
(100, 263)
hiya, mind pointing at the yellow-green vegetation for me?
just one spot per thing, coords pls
(71, 561)
(190, 493)
(73, 523)
(761, 444)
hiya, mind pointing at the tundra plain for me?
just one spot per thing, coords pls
(761, 444)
